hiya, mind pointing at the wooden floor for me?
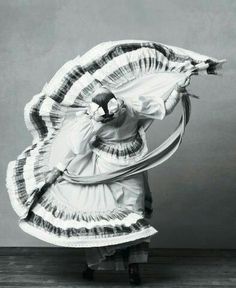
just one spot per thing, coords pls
(61, 267)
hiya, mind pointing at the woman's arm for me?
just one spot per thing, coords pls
(174, 98)
(60, 167)
(169, 104)
(172, 101)
(78, 141)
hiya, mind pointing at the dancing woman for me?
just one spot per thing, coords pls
(115, 130)
(107, 217)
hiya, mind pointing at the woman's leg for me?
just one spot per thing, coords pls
(137, 254)
(134, 275)
(88, 273)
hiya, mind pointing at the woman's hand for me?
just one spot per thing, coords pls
(52, 176)
(177, 93)
(182, 84)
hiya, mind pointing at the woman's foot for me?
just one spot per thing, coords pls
(88, 274)
(134, 276)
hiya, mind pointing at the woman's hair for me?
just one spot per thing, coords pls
(102, 99)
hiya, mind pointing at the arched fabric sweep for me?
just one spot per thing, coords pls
(111, 64)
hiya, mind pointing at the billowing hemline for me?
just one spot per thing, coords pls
(87, 242)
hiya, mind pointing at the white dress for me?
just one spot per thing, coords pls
(102, 218)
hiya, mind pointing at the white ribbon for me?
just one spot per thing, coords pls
(113, 105)
(95, 110)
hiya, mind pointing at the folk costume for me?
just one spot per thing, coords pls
(102, 201)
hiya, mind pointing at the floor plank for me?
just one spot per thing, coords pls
(167, 268)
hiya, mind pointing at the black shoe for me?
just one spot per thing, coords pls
(134, 276)
(88, 274)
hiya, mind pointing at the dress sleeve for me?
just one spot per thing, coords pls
(146, 96)
(78, 140)
(144, 107)
(156, 97)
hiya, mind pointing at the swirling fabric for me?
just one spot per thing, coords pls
(113, 65)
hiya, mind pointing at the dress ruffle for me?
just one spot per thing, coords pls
(26, 175)
(125, 152)
(79, 229)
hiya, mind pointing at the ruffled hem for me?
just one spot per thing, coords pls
(55, 222)
(84, 241)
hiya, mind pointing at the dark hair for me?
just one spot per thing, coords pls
(102, 100)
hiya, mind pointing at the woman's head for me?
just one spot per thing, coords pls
(106, 105)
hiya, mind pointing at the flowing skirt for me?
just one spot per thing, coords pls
(106, 219)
